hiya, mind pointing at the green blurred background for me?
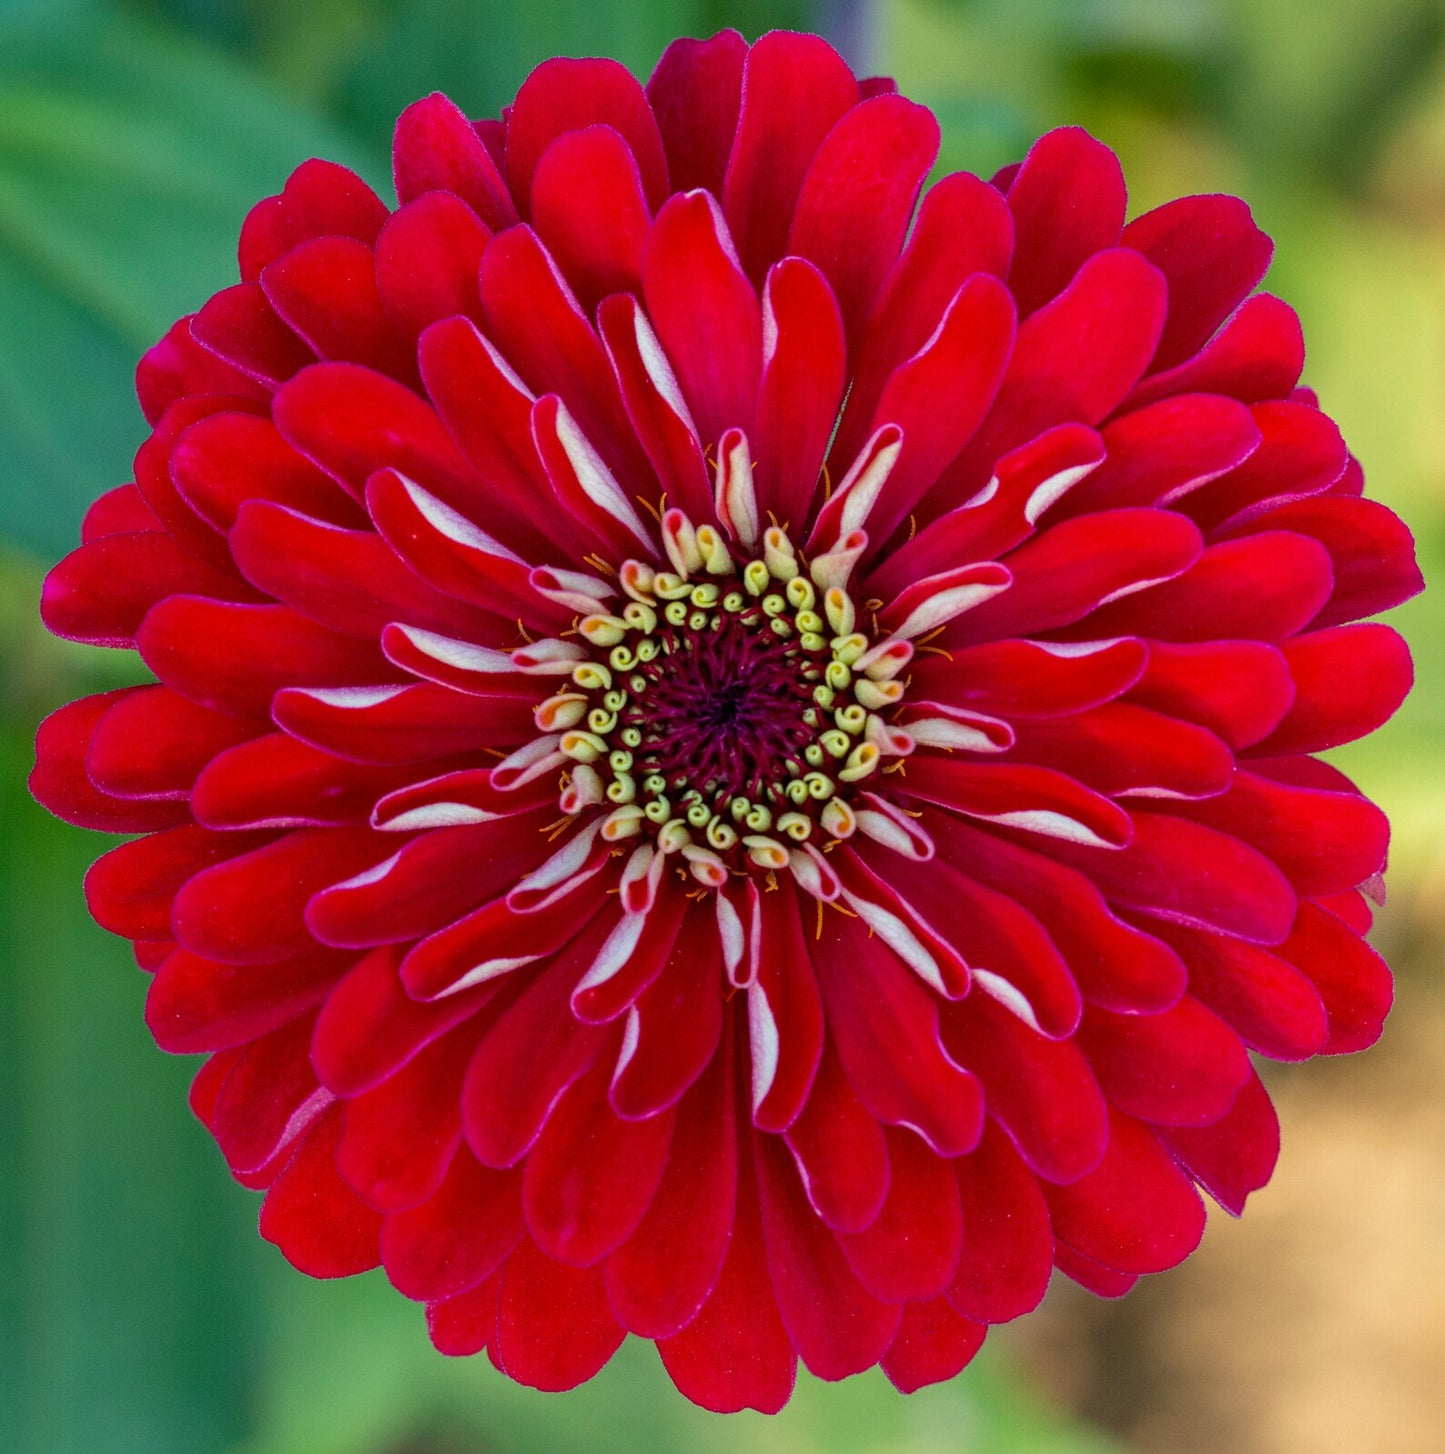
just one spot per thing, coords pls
(138, 1310)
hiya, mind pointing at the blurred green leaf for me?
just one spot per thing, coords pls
(128, 158)
(480, 51)
(126, 1289)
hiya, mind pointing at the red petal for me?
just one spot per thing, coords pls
(1237, 689)
(353, 421)
(590, 1175)
(488, 410)
(911, 1249)
(370, 1027)
(1068, 203)
(1101, 1281)
(436, 149)
(459, 1236)
(326, 290)
(250, 909)
(1212, 255)
(564, 95)
(1008, 1241)
(1349, 680)
(1135, 1212)
(241, 326)
(679, 1020)
(1353, 981)
(225, 459)
(1301, 453)
(1115, 965)
(320, 199)
(1071, 570)
(1044, 803)
(426, 262)
(588, 208)
(933, 1344)
(60, 782)
(536, 322)
(1041, 1091)
(736, 1353)
(655, 405)
(118, 512)
(835, 1323)
(871, 164)
(1120, 749)
(694, 93)
(321, 1226)
(1181, 1067)
(795, 87)
(1075, 360)
(663, 1274)
(939, 396)
(554, 1326)
(1324, 842)
(399, 1138)
(530, 1056)
(1258, 354)
(840, 1150)
(268, 1099)
(705, 313)
(1161, 453)
(1272, 1006)
(804, 371)
(100, 593)
(1030, 678)
(462, 1326)
(275, 781)
(393, 725)
(202, 1004)
(963, 227)
(1234, 1156)
(1190, 874)
(129, 890)
(885, 1025)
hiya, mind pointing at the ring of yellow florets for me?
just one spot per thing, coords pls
(624, 718)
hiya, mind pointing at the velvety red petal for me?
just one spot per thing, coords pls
(736, 1354)
(321, 1226)
(204, 1004)
(436, 149)
(794, 89)
(1348, 680)
(455, 1239)
(1212, 255)
(934, 1343)
(554, 1326)
(426, 263)
(885, 1025)
(1258, 354)
(1067, 203)
(871, 164)
(588, 208)
(835, 1323)
(1238, 689)
(590, 1175)
(1234, 1156)
(694, 93)
(1353, 981)
(1135, 1212)
(1008, 1240)
(911, 1248)
(706, 314)
(462, 1325)
(400, 1138)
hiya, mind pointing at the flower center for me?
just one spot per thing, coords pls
(728, 708)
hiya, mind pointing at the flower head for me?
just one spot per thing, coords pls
(732, 759)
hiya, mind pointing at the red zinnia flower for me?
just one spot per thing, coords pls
(724, 768)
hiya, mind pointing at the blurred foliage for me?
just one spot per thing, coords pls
(138, 1310)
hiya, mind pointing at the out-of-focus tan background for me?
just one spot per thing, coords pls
(138, 1310)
